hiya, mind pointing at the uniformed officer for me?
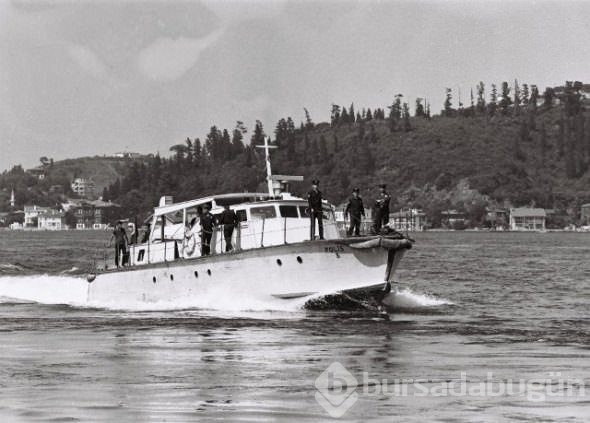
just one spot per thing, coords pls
(381, 208)
(229, 219)
(207, 223)
(355, 209)
(314, 200)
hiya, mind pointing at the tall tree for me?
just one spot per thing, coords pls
(516, 98)
(505, 100)
(481, 100)
(492, 106)
(548, 97)
(258, 134)
(419, 111)
(335, 115)
(406, 117)
(448, 106)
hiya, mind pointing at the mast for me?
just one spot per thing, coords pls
(267, 148)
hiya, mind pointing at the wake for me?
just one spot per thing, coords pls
(72, 290)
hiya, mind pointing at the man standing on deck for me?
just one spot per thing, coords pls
(229, 219)
(381, 209)
(121, 242)
(207, 223)
(314, 200)
(355, 209)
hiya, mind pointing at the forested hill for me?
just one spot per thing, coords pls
(517, 149)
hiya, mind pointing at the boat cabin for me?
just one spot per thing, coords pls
(264, 220)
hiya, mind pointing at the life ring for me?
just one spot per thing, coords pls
(190, 244)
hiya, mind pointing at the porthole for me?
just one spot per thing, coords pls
(279, 262)
(209, 272)
(154, 279)
(196, 274)
(171, 277)
(299, 259)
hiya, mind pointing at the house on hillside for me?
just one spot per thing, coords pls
(84, 187)
(497, 218)
(453, 219)
(96, 214)
(52, 220)
(32, 214)
(37, 172)
(127, 155)
(408, 220)
(527, 219)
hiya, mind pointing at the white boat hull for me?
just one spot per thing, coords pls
(278, 272)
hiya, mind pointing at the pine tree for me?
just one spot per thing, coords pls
(335, 115)
(419, 112)
(308, 121)
(493, 105)
(525, 94)
(406, 117)
(258, 134)
(481, 101)
(395, 112)
(505, 101)
(351, 114)
(516, 98)
(448, 106)
(548, 97)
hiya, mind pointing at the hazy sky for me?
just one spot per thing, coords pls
(84, 78)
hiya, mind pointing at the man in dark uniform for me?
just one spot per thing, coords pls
(314, 200)
(355, 209)
(207, 223)
(381, 208)
(121, 242)
(229, 219)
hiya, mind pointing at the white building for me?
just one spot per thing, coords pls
(527, 219)
(83, 187)
(51, 221)
(408, 220)
(32, 214)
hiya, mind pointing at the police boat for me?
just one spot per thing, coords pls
(272, 256)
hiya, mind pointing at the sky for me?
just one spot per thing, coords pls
(81, 78)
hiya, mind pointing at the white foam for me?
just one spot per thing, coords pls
(71, 290)
(44, 289)
(406, 299)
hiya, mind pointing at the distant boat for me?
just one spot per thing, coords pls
(273, 256)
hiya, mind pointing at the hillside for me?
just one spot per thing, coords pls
(488, 155)
(530, 156)
(30, 189)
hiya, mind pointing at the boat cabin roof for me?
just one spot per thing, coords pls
(223, 199)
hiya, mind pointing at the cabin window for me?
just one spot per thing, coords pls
(288, 211)
(304, 211)
(242, 216)
(265, 212)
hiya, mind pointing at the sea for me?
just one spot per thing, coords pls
(480, 327)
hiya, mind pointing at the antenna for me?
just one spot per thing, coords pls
(267, 148)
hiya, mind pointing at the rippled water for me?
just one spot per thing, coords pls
(516, 305)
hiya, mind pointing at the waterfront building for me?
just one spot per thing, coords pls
(52, 220)
(527, 219)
